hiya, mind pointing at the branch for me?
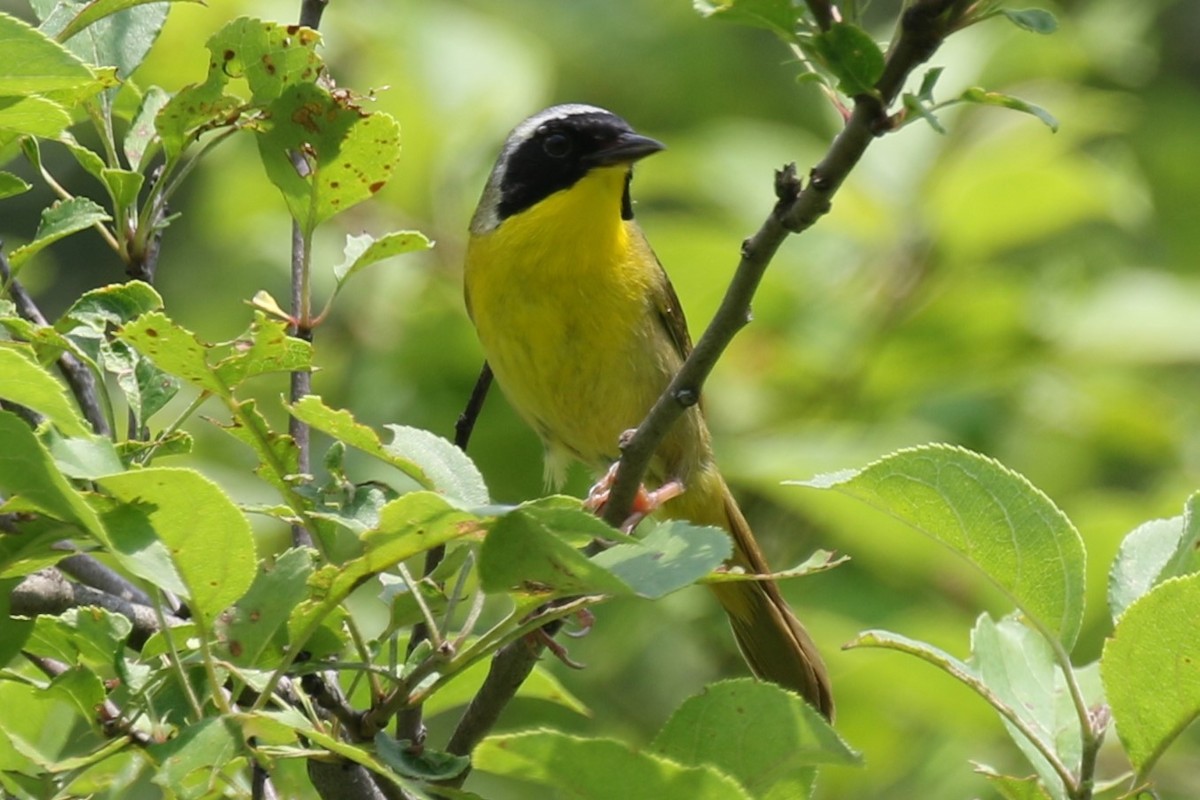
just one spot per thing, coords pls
(78, 376)
(97, 575)
(922, 28)
(48, 592)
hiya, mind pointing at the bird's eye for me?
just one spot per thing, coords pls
(556, 145)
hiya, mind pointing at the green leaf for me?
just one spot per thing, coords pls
(35, 727)
(779, 16)
(123, 186)
(32, 116)
(89, 637)
(174, 349)
(61, 219)
(83, 458)
(206, 747)
(1144, 555)
(1036, 20)
(1151, 670)
(93, 12)
(346, 155)
(25, 382)
(407, 526)
(767, 738)
(269, 55)
(600, 769)
(277, 452)
(1010, 788)
(253, 632)
(28, 471)
(428, 764)
(986, 98)
(365, 250)
(33, 63)
(851, 55)
(429, 460)
(444, 466)
(141, 140)
(540, 685)
(674, 554)
(1018, 666)
(263, 349)
(89, 159)
(522, 556)
(11, 185)
(989, 515)
(209, 539)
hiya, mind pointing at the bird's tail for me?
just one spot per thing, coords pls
(773, 642)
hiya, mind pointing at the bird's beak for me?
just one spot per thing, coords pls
(625, 149)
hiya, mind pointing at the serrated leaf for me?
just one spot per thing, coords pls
(412, 450)
(209, 538)
(269, 55)
(32, 116)
(600, 769)
(1144, 553)
(779, 16)
(851, 55)
(346, 154)
(409, 525)
(28, 471)
(86, 157)
(521, 556)
(61, 219)
(445, 466)
(252, 632)
(1151, 670)
(984, 97)
(1018, 665)
(34, 63)
(767, 738)
(263, 349)
(1012, 788)
(1036, 20)
(674, 554)
(91, 637)
(277, 452)
(365, 250)
(174, 349)
(141, 140)
(123, 186)
(25, 382)
(11, 185)
(83, 457)
(206, 746)
(96, 10)
(427, 764)
(989, 515)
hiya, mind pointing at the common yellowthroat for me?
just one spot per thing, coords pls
(583, 332)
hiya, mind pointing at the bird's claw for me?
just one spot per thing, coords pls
(644, 504)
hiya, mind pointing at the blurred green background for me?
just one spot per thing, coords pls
(1027, 294)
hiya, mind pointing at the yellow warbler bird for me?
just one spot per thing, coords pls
(583, 332)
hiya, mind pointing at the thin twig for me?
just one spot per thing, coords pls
(922, 28)
(78, 376)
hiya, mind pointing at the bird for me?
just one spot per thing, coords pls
(583, 331)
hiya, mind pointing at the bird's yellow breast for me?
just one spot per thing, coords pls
(562, 295)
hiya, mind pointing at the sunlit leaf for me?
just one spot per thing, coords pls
(1151, 670)
(61, 219)
(600, 769)
(27, 383)
(209, 538)
(767, 738)
(364, 250)
(989, 515)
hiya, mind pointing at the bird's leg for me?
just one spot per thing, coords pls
(645, 502)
